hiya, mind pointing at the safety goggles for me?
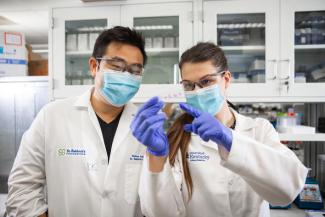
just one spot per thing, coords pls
(119, 64)
(206, 81)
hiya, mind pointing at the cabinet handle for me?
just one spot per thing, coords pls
(176, 74)
(275, 69)
(284, 79)
(289, 69)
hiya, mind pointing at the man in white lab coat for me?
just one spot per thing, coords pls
(79, 158)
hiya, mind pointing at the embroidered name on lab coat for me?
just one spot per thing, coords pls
(71, 152)
(136, 157)
(197, 156)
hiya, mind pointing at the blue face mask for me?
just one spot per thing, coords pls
(119, 87)
(207, 99)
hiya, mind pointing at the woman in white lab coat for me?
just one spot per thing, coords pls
(215, 161)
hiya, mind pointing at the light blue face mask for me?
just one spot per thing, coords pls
(208, 99)
(119, 87)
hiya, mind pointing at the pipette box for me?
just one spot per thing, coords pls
(310, 197)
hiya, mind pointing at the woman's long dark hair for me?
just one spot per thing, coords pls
(177, 137)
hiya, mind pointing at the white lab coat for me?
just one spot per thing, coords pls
(258, 170)
(64, 151)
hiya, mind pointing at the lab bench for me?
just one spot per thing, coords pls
(294, 211)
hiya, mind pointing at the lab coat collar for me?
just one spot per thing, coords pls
(123, 128)
(84, 99)
(243, 123)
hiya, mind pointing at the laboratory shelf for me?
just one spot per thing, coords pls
(161, 51)
(150, 51)
(244, 48)
(309, 46)
(79, 53)
(317, 137)
(10, 79)
(281, 99)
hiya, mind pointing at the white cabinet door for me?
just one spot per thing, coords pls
(302, 67)
(72, 39)
(168, 31)
(248, 32)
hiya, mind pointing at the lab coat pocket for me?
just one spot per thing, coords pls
(131, 182)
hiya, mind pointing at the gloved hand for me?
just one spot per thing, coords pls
(207, 127)
(147, 127)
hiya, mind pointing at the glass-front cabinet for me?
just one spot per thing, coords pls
(275, 49)
(80, 37)
(166, 27)
(242, 37)
(249, 37)
(303, 47)
(168, 31)
(310, 46)
(162, 39)
(74, 34)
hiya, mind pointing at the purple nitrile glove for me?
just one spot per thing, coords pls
(207, 127)
(147, 127)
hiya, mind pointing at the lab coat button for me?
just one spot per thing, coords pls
(105, 194)
(104, 162)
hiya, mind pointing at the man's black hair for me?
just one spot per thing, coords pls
(119, 34)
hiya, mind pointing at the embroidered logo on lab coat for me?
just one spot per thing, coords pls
(136, 157)
(71, 152)
(193, 156)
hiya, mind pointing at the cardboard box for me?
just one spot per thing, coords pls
(38, 67)
(13, 54)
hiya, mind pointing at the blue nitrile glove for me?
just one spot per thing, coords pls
(147, 127)
(207, 127)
